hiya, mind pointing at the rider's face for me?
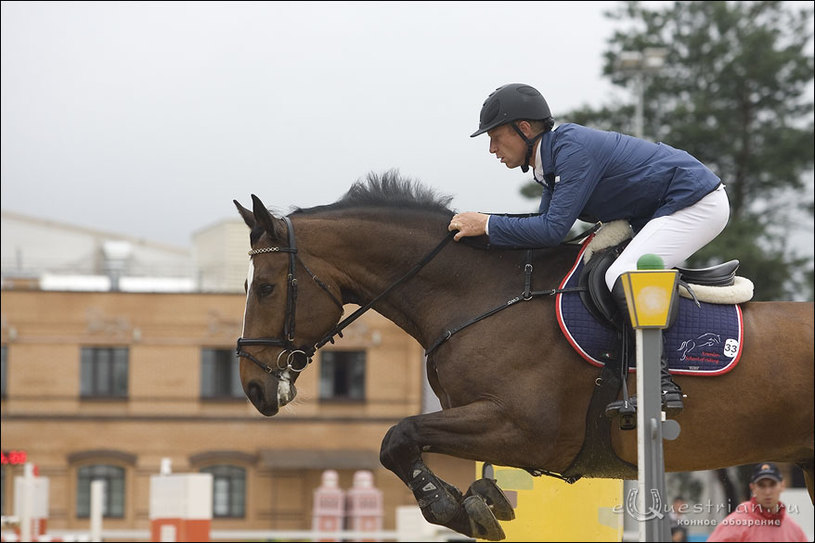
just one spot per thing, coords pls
(507, 145)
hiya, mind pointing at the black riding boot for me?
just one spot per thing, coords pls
(672, 395)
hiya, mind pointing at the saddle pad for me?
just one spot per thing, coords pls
(702, 341)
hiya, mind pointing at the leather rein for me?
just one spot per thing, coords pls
(298, 357)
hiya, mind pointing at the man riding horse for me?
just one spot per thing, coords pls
(674, 203)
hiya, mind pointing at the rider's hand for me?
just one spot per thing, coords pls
(468, 224)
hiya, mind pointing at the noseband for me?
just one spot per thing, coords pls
(298, 357)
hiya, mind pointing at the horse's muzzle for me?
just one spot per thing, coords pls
(271, 393)
(255, 394)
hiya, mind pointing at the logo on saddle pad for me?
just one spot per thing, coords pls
(705, 340)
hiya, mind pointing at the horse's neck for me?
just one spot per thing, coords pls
(456, 285)
(373, 259)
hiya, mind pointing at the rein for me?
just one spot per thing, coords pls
(299, 357)
(527, 294)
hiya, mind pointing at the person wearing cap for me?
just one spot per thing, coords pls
(679, 531)
(674, 203)
(763, 517)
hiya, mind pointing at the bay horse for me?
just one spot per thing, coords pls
(513, 391)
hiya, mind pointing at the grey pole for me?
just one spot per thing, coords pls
(654, 523)
(650, 293)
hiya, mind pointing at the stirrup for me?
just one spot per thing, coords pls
(672, 404)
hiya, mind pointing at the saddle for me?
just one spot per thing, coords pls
(715, 284)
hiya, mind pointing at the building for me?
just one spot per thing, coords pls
(40, 253)
(104, 379)
(118, 353)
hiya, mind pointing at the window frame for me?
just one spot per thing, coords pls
(224, 472)
(111, 492)
(4, 371)
(115, 361)
(328, 362)
(213, 360)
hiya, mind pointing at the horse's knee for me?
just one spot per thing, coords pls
(386, 450)
(398, 450)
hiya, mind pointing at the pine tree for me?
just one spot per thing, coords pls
(736, 92)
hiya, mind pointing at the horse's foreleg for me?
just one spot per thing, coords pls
(458, 432)
(440, 502)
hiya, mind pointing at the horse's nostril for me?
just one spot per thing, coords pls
(255, 393)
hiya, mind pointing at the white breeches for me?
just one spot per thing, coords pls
(675, 237)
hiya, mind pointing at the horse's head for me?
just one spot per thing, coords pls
(288, 310)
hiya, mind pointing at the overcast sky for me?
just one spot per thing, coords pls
(149, 118)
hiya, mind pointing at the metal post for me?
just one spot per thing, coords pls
(637, 64)
(650, 294)
(639, 89)
(655, 525)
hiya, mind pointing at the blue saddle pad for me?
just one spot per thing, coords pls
(704, 340)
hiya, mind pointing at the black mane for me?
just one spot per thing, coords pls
(387, 190)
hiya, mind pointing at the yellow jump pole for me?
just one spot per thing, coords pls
(548, 509)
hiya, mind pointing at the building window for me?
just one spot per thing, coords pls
(3, 371)
(228, 491)
(342, 375)
(220, 374)
(104, 372)
(113, 501)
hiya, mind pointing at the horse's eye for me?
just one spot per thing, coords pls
(265, 290)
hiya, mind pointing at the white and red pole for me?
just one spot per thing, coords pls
(180, 506)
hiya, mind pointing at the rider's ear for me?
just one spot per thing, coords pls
(526, 128)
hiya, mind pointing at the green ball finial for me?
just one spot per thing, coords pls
(650, 262)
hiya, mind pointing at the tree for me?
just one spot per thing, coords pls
(736, 92)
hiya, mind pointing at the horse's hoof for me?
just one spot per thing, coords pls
(494, 496)
(483, 523)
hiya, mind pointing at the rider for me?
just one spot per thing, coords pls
(675, 204)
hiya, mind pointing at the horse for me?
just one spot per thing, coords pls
(513, 390)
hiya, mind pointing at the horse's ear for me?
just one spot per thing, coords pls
(274, 227)
(247, 215)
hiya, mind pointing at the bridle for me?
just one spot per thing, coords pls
(298, 357)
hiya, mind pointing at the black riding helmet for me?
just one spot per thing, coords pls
(510, 103)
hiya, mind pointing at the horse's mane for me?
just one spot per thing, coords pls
(387, 190)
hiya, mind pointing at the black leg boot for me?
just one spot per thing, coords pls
(625, 409)
(672, 395)
(672, 402)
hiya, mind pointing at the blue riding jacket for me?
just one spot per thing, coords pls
(595, 175)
